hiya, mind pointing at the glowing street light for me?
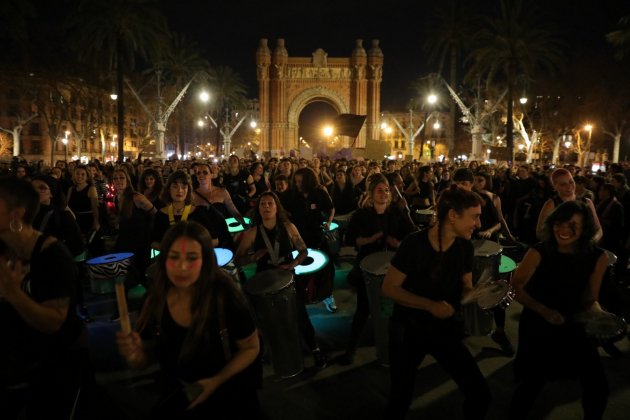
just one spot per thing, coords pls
(432, 99)
(523, 100)
(204, 96)
(328, 131)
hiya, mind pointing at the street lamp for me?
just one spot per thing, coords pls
(589, 128)
(65, 145)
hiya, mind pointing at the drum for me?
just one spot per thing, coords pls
(603, 327)
(506, 268)
(495, 293)
(424, 217)
(311, 277)
(374, 268)
(154, 253)
(343, 220)
(234, 226)
(224, 256)
(272, 293)
(332, 237)
(106, 269)
(487, 259)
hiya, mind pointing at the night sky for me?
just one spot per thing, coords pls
(230, 31)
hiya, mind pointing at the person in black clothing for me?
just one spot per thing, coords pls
(44, 353)
(343, 195)
(378, 226)
(312, 212)
(428, 278)
(273, 227)
(558, 280)
(240, 184)
(198, 325)
(281, 184)
(178, 196)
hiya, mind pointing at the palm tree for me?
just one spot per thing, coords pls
(456, 24)
(621, 37)
(512, 48)
(112, 34)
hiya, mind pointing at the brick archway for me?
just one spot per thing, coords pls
(288, 84)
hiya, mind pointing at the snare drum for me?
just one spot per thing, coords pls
(374, 268)
(495, 293)
(604, 327)
(424, 217)
(487, 259)
(311, 278)
(104, 270)
(272, 293)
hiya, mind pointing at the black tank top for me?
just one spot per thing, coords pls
(278, 233)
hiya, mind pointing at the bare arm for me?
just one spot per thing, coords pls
(93, 196)
(298, 243)
(252, 187)
(227, 200)
(595, 283)
(598, 226)
(544, 212)
(247, 241)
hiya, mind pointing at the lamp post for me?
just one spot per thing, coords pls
(226, 131)
(65, 146)
(410, 132)
(589, 129)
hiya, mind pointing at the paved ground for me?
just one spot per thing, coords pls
(353, 392)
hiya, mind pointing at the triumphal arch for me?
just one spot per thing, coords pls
(351, 85)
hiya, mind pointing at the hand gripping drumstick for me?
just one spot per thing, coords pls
(121, 299)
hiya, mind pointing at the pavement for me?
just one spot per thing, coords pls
(358, 391)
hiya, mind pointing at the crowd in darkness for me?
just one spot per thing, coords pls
(142, 205)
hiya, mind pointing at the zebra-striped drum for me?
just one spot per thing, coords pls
(106, 269)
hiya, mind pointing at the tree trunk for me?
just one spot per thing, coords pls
(120, 105)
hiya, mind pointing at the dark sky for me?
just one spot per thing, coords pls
(229, 31)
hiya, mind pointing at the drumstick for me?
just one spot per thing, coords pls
(121, 299)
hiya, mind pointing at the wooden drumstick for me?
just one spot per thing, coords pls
(121, 299)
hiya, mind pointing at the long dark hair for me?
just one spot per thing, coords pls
(159, 184)
(281, 213)
(203, 305)
(563, 213)
(309, 179)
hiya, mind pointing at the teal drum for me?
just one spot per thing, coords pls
(311, 276)
(234, 226)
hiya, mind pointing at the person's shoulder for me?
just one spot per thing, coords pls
(416, 239)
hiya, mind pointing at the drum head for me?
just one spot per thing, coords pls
(224, 256)
(377, 263)
(315, 261)
(493, 294)
(333, 226)
(485, 248)
(110, 266)
(268, 281)
(234, 226)
(507, 265)
(110, 258)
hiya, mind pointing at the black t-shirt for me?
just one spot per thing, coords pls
(308, 214)
(208, 217)
(237, 184)
(433, 275)
(207, 358)
(52, 275)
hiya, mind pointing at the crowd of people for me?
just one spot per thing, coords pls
(198, 325)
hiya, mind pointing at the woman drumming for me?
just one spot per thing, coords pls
(209, 195)
(199, 327)
(377, 226)
(564, 185)
(178, 198)
(83, 200)
(557, 280)
(44, 344)
(132, 222)
(273, 227)
(427, 279)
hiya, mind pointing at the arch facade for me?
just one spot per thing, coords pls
(288, 84)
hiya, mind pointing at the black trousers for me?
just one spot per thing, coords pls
(408, 348)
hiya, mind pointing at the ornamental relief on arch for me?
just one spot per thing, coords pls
(318, 73)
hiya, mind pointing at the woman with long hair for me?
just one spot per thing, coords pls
(151, 186)
(271, 226)
(427, 279)
(198, 326)
(178, 199)
(83, 200)
(558, 280)
(209, 195)
(261, 182)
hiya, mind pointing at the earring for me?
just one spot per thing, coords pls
(13, 228)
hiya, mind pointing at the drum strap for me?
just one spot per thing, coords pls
(171, 213)
(274, 252)
(223, 332)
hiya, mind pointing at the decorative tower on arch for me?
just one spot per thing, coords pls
(351, 85)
